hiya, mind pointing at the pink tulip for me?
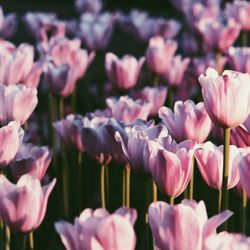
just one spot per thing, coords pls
(99, 230)
(225, 241)
(17, 102)
(11, 137)
(88, 5)
(218, 36)
(190, 44)
(239, 59)
(159, 54)
(210, 162)
(123, 73)
(8, 24)
(219, 95)
(168, 29)
(135, 142)
(127, 110)
(23, 206)
(182, 225)
(240, 11)
(240, 137)
(244, 171)
(154, 95)
(31, 160)
(170, 168)
(175, 72)
(188, 121)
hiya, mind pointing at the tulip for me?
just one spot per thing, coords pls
(123, 73)
(23, 206)
(17, 103)
(88, 6)
(159, 54)
(8, 24)
(239, 59)
(31, 160)
(240, 137)
(99, 230)
(188, 121)
(244, 172)
(219, 95)
(182, 225)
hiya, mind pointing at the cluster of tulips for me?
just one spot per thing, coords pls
(172, 150)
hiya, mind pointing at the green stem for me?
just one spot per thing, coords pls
(74, 100)
(243, 213)
(155, 80)
(65, 178)
(226, 153)
(191, 184)
(23, 241)
(154, 191)
(7, 238)
(217, 61)
(127, 185)
(123, 187)
(170, 97)
(171, 201)
(103, 185)
(219, 200)
(31, 241)
(245, 39)
(79, 159)
(1, 234)
(107, 185)
(61, 108)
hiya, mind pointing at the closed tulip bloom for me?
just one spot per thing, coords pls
(210, 162)
(8, 24)
(88, 5)
(182, 225)
(171, 170)
(187, 121)
(23, 206)
(31, 160)
(99, 230)
(11, 137)
(159, 54)
(17, 103)
(175, 72)
(219, 95)
(239, 59)
(244, 172)
(127, 110)
(154, 95)
(123, 73)
(240, 11)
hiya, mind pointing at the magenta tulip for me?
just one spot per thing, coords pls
(219, 95)
(23, 206)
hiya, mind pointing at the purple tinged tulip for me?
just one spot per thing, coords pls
(17, 102)
(23, 206)
(244, 171)
(159, 54)
(123, 73)
(218, 36)
(88, 5)
(220, 94)
(97, 229)
(154, 95)
(225, 241)
(239, 59)
(8, 24)
(171, 168)
(127, 110)
(11, 137)
(240, 137)
(134, 145)
(182, 225)
(210, 162)
(31, 160)
(187, 121)
(175, 72)
(240, 11)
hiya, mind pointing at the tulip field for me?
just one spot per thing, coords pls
(125, 125)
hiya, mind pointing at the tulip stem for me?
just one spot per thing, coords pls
(219, 200)
(171, 201)
(191, 184)
(245, 39)
(127, 185)
(170, 97)
(61, 108)
(103, 185)
(65, 180)
(244, 209)
(155, 80)
(123, 187)
(7, 238)
(107, 184)
(79, 159)
(224, 195)
(154, 191)
(218, 61)
(31, 241)
(1, 234)
(74, 100)
(23, 241)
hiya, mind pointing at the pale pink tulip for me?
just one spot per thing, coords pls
(244, 171)
(23, 206)
(220, 94)
(240, 137)
(239, 59)
(187, 121)
(210, 162)
(123, 73)
(159, 54)
(31, 160)
(182, 225)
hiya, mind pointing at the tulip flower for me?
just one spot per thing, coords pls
(123, 73)
(99, 230)
(159, 54)
(219, 95)
(182, 225)
(239, 59)
(23, 206)
(8, 24)
(240, 137)
(31, 160)
(244, 172)
(88, 6)
(188, 121)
